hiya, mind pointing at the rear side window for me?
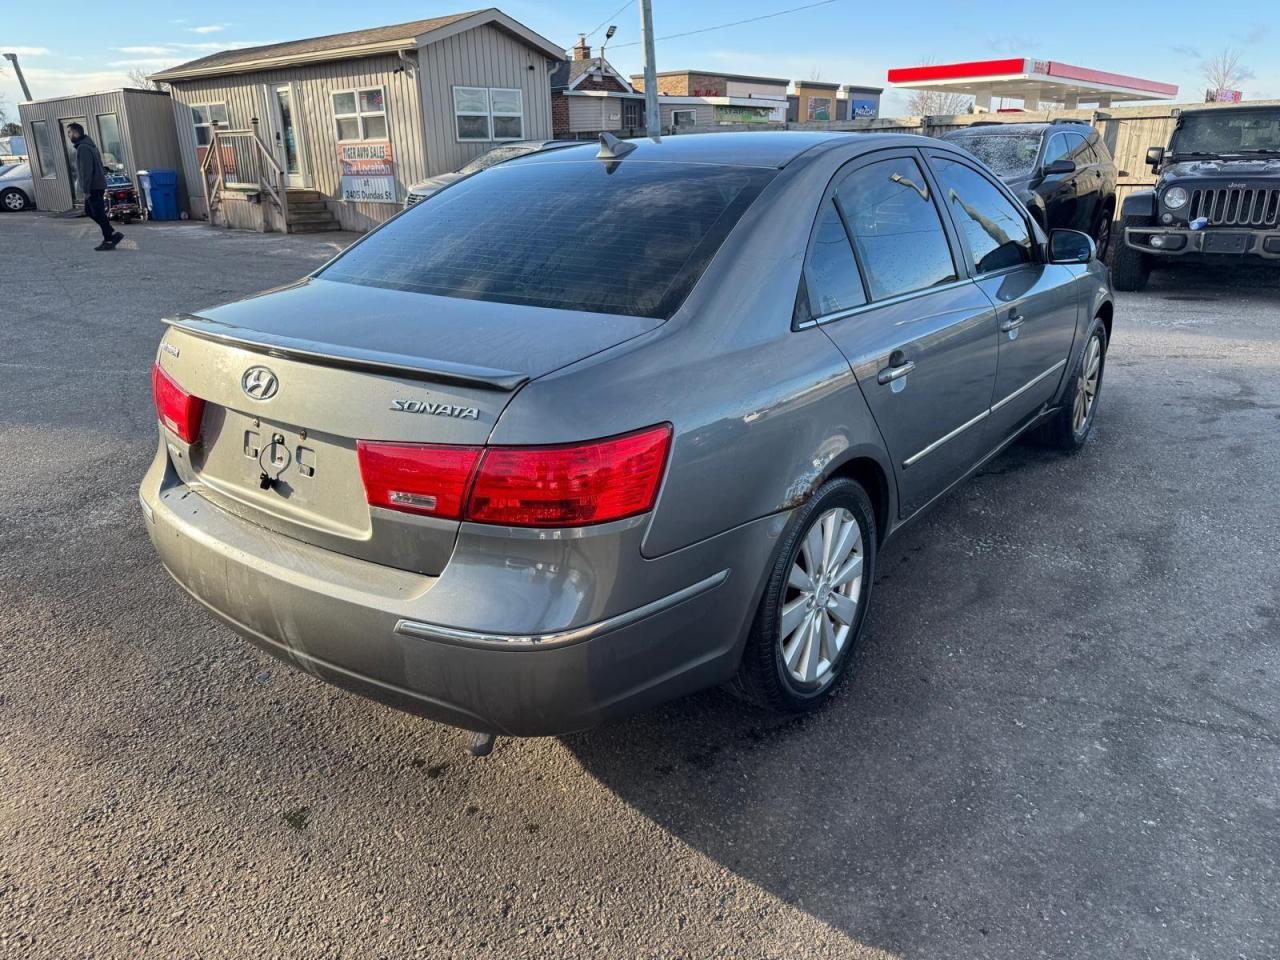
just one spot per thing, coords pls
(629, 238)
(996, 233)
(832, 273)
(896, 228)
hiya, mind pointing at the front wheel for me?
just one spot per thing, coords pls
(1130, 268)
(13, 200)
(1069, 427)
(813, 607)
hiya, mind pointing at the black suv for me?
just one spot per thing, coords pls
(1061, 170)
(1217, 194)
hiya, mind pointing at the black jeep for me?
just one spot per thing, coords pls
(1216, 199)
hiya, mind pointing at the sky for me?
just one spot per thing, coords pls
(71, 46)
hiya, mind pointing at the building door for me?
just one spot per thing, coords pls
(77, 193)
(633, 115)
(286, 135)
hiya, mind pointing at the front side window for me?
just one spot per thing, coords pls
(831, 274)
(109, 140)
(1056, 149)
(896, 229)
(995, 232)
(44, 149)
(360, 114)
(571, 236)
(205, 116)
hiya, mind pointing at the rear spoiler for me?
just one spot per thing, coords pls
(350, 358)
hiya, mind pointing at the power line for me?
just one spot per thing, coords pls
(734, 23)
(609, 18)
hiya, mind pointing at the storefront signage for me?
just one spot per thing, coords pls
(731, 114)
(863, 109)
(819, 108)
(368, 171)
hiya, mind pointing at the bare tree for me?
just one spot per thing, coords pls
(1224, 71)
(139, 78)
(815, 72)
(937, 103)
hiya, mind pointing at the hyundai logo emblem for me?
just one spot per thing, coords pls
(259, 383)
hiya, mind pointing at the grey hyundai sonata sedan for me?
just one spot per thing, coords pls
(600, 427)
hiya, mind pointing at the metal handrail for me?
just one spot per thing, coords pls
(216, 184)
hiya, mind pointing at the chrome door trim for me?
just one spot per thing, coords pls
(559, 638)
(916, 457)
(875, 304)
(1028, 385)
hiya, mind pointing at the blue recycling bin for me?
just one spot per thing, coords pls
(160, 187)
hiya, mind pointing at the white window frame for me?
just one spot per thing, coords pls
(44, 152)
(691, 112)
(359, 115)
(494, 114)
(489, 113)
(211, 124)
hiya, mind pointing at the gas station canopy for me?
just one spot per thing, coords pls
(1030, 81)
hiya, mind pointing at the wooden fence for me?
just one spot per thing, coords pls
(1127, 131)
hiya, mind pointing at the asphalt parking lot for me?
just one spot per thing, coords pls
(1062, 737)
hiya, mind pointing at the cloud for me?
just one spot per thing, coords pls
(27, 51)
(144, 63)
(153, 51)
(47, 82)
(1013, 45)
(1254, 34)
(208, 28)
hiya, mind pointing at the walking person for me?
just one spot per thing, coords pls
(93, 184)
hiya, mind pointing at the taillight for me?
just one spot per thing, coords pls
(562, 486)
(177, 409)
(418, 479)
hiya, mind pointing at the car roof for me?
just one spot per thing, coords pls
(996, 129)
(764, 149)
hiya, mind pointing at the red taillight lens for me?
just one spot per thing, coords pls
(177, 409)
(431, 480)
(572, 485)
(562, 486)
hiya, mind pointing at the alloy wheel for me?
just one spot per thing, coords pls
(824, 588)
(14, 201)
(1087, 385)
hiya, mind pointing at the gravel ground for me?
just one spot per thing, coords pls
(1062, 738)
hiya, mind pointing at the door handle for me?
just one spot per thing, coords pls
(899, 366)
(1012, 322)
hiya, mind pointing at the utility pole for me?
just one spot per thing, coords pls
(22, 81)
(652, 118)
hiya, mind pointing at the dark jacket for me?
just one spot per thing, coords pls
(89, 170)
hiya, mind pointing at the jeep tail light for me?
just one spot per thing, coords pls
(566, 485)
(430, 479)
(177, 409)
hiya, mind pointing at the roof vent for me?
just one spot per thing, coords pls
(611, 148)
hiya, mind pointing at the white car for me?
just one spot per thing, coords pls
(16, 189)
(508, 151)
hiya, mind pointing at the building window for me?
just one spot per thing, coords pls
(360, 114)
(44, 149)
(684, 118)
(205, 115)
(109, 141)
(488, 113)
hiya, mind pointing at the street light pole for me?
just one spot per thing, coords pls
(652, 119)
(22, 81)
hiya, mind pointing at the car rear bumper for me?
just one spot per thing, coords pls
(395, 636)
(1218, 241)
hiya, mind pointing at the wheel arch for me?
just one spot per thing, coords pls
(872, 476)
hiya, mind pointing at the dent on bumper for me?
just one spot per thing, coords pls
(370, 628)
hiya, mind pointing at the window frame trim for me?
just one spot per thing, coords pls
(359, 116)
(488, 114)
(689, 110)
(494, 114)
(97, 122)
(211, 124)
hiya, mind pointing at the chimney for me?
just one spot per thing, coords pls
(580, 49)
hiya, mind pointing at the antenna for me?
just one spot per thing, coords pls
(611, 148)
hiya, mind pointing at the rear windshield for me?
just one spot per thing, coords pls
(631, 239)
(1008, 155)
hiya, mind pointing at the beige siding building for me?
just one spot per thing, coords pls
(352, 120)
(134, 129)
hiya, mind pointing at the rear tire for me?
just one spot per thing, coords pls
(1069, 427)
(1130, 268)
(802, 639)
(13, 200)
(1104, 231)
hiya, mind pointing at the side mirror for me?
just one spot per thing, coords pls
(1060, 168)
(1155, 157)
(1071, 246)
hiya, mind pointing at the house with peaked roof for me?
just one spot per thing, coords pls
(588, 97)
(329, 132)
